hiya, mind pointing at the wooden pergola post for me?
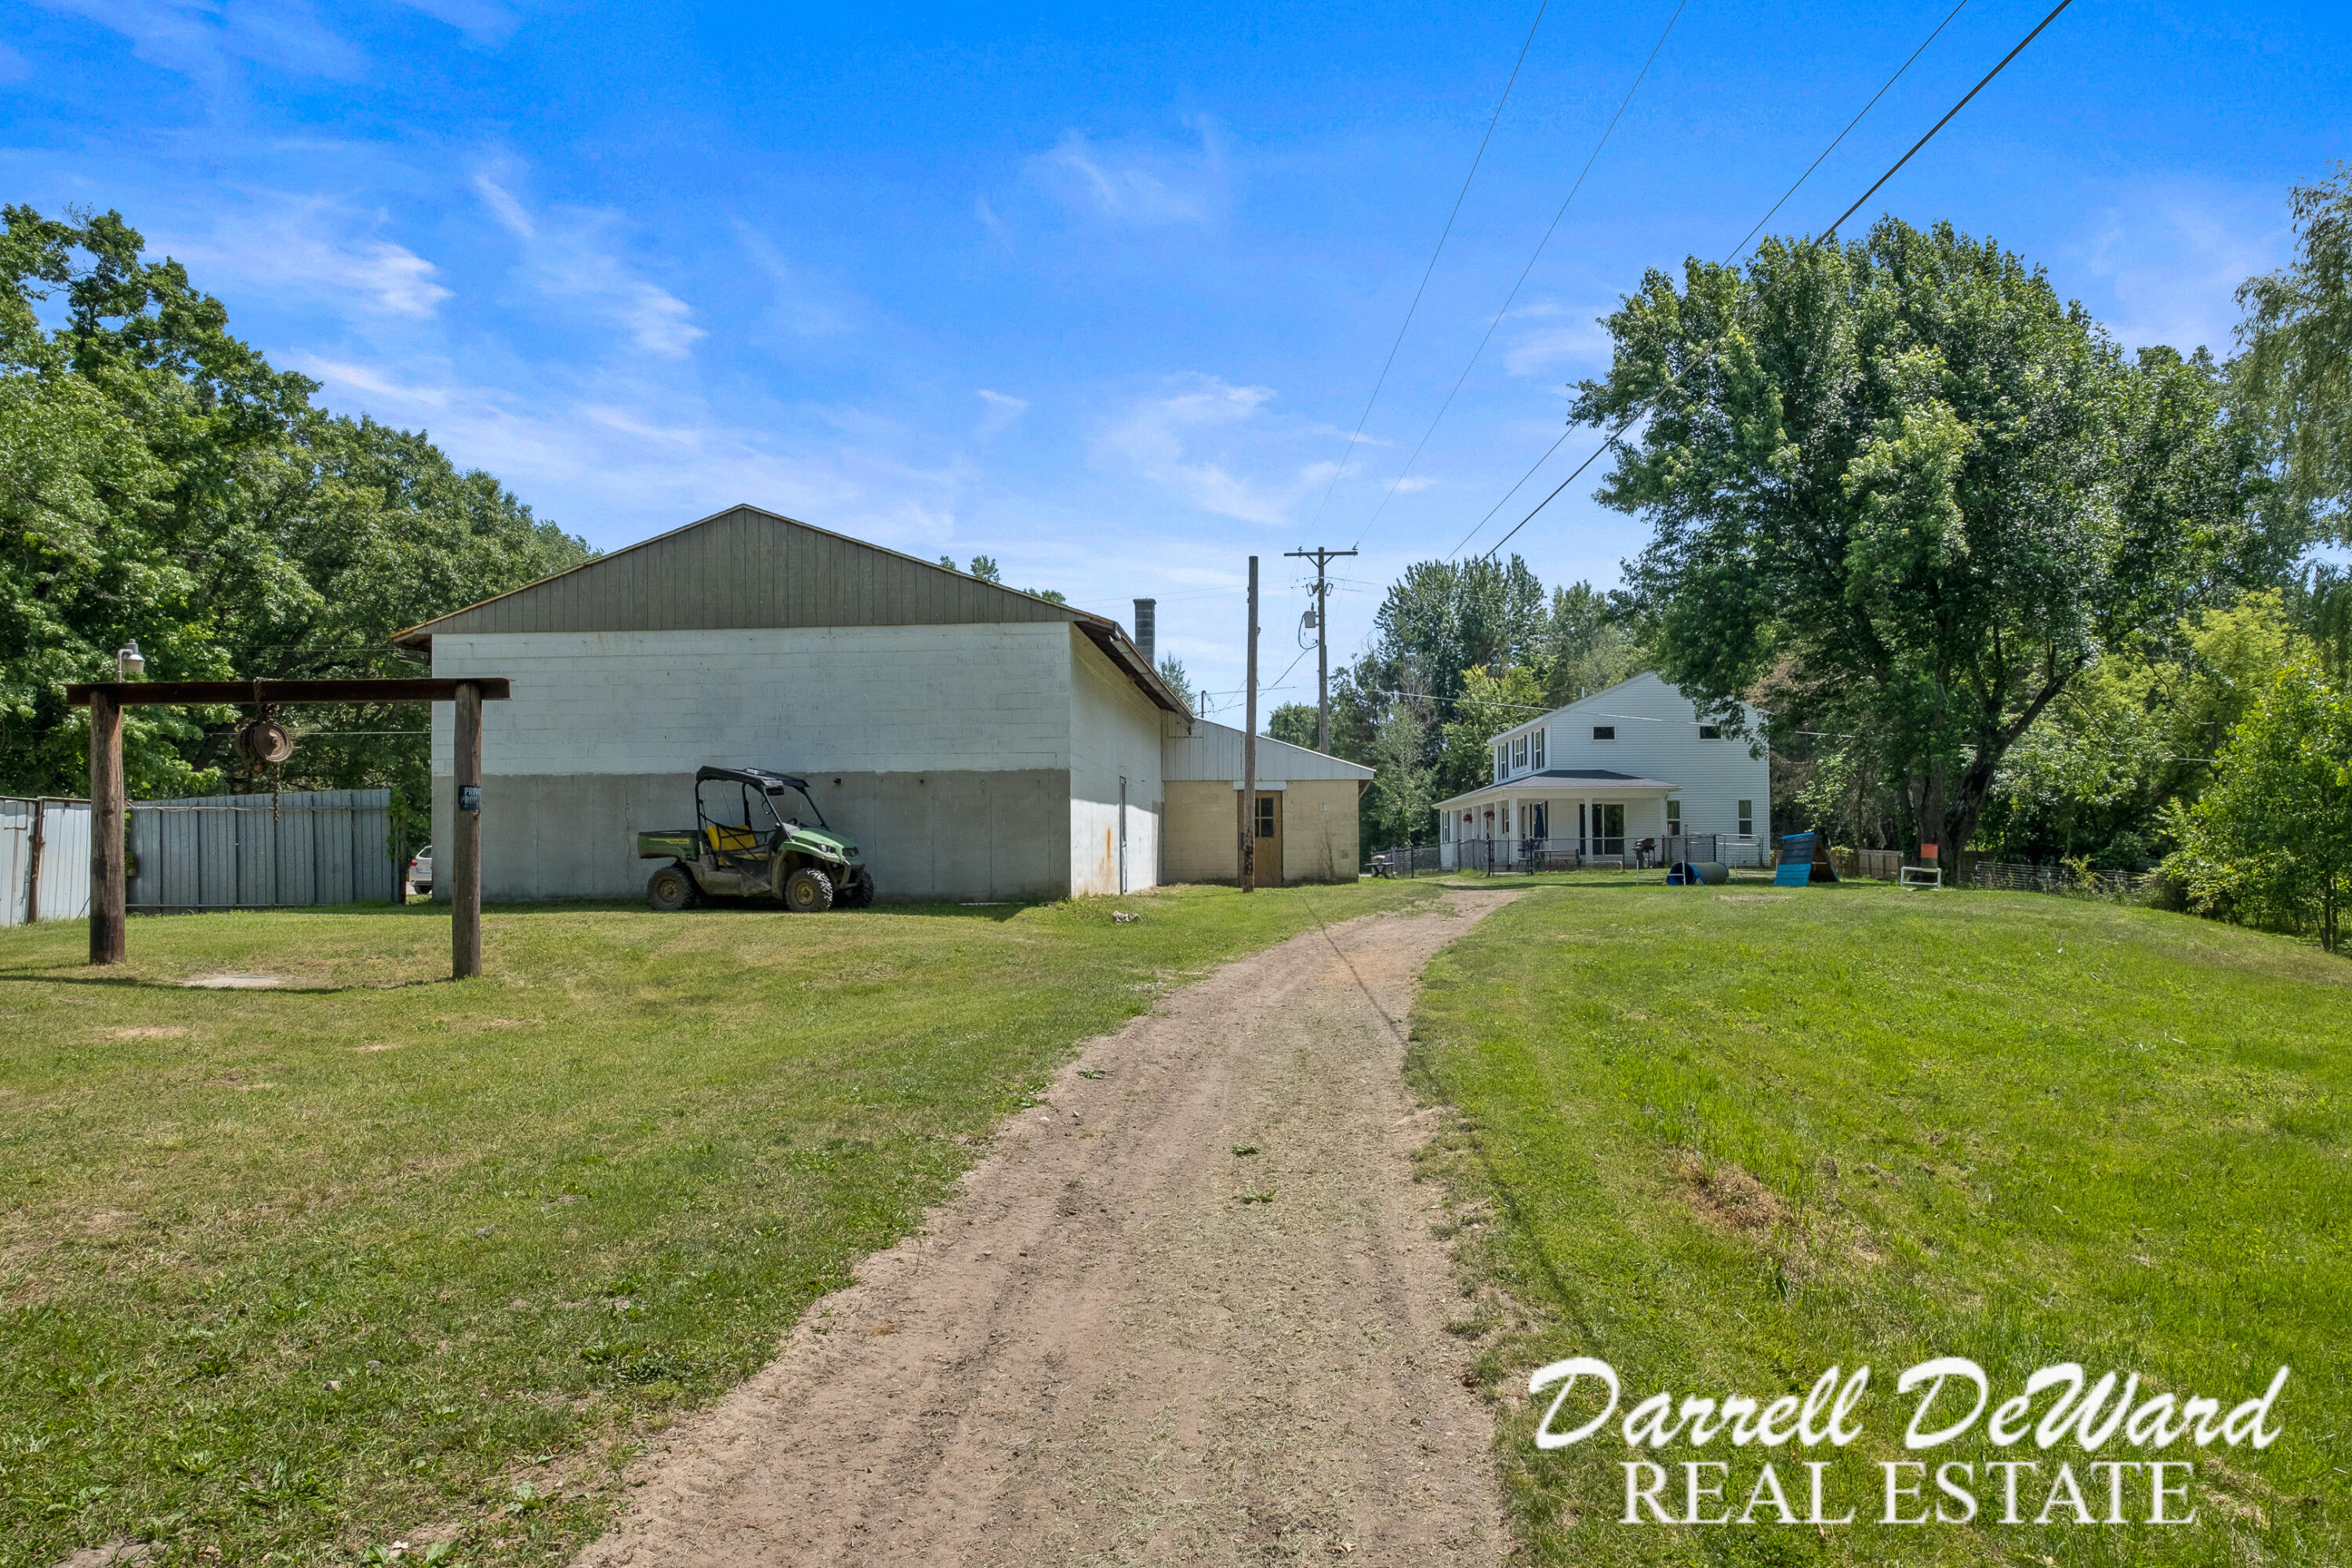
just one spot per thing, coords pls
(109, 893)
(465, 839)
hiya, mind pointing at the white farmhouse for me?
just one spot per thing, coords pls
(1596, 777)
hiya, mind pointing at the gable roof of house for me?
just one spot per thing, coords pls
(1584, 704)
(746, 567)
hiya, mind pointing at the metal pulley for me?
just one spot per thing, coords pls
(264, 742)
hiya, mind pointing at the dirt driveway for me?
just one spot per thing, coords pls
(1103, 1350)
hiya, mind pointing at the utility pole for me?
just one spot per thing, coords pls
(1322, 558)
(1249, 750)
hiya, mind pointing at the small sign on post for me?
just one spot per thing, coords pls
(470, 799)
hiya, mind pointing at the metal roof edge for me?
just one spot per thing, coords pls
(1366, 772)
(421, 634)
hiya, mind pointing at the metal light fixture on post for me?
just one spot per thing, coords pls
(129, 662)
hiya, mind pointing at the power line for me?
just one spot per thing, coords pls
(1535, 255)
(1734, 256)
(1507, 494)
(1947, 116)
(1443, 235)
(1850, 124)
(1827, 234)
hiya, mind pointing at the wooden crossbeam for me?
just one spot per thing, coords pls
(209, 693)
(109, 892)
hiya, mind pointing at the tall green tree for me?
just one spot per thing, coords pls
(2296, 370)
(1585, 647)
(2296, 375)
(1490, 703)
(160, 479)
(1403, 782)
(1179, 680)
(2271, 842)
(1898, 489)
(1294, 722)
(1443, 617)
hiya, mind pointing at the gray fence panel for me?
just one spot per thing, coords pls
(258, 851)
(60, 883)
(15, 859)
(65, 860)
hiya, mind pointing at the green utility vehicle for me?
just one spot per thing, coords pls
(749, 842)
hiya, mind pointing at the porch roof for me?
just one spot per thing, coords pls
(1570, 782)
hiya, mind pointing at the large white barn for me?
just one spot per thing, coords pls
(975, 742)
(1596, 777)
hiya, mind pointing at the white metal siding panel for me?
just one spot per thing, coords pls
(1114, 734)
(1214, 751)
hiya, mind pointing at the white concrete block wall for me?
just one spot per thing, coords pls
(1115, 733)
(862, 699)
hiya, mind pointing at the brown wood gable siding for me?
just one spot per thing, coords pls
(748, 568)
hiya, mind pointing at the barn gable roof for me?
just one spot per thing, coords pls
(746, 567)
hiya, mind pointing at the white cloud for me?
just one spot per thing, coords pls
(568, 254)
(1136, 185)
(1412, 484)
(307, 242)
(204, 42)
(2171, 258)
(1160, 439)
(483, 21)
(1003, 410)
(804, 307)
(1581, 340)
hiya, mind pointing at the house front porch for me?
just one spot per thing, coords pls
(1555, 819)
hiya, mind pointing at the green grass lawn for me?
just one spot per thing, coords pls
(1726, 1142)
(293, 1274)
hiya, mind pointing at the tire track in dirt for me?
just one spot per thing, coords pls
(1098, 1353)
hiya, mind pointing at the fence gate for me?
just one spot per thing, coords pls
(44, 859)
(259, 851)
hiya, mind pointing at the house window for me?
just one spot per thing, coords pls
(1535, 750)
(1502, 762)
(1710, 731)
(1519, 751)
(1604, 732)
(1609, 830)
(1266, 816)
(1747, 817)
(1675, 816)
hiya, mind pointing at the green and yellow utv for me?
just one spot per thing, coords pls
(749, 841)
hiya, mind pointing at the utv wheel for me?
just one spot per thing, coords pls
(808, 892)
(669, 890)
(858, 895)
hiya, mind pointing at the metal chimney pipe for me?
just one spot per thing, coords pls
(1146, 612)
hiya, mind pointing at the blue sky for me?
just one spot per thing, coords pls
(1102, 293)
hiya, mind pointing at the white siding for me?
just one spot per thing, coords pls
(858, 699)
(1657, 738)
(1114, 735)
